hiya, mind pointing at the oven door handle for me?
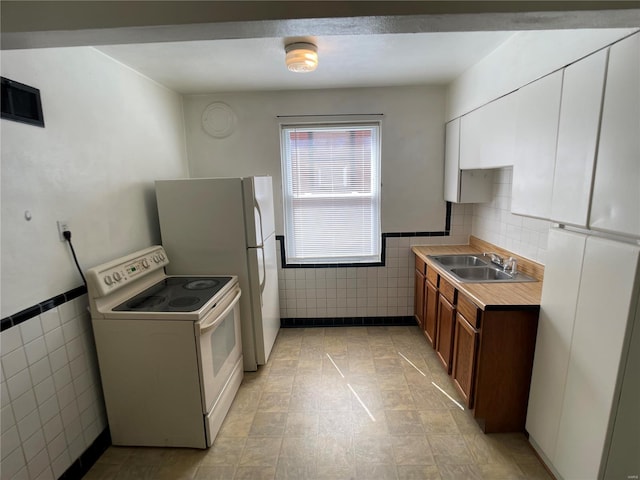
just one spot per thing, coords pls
(219, 318)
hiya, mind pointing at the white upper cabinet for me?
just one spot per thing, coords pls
(582, 90)
(460, 186)
(616, 190)
(538, 110)
(487, 135)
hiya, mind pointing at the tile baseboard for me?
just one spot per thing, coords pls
(347, 322)
(83, 464)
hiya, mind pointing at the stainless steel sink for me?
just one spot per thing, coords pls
(459, 260)
(481, 274)
(477, 269)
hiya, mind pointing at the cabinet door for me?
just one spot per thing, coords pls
(431, 313)
(562, 273)
(418, 302)
(615, 205)
(445, 330)
(487, 135)
(625, 438)
(582, 90)
(535, 146)
(464, 358)
(451, 161)
(463, 186)
(608, 291)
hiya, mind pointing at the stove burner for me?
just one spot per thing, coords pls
(175, 294)
(202, 284)
(146, 302)
(183, 301)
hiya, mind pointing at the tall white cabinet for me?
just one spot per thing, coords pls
(583, 373)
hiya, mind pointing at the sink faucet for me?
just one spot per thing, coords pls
(495, 258)
(511, 266)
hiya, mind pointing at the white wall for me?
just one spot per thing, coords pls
(522, 59)
(412, 178)
(412, 144)
(109, 134)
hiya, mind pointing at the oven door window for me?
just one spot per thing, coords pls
(223, 342)
(220, 348)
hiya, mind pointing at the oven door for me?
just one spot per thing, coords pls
(219, 347)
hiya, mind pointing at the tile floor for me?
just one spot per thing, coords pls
(340, 403)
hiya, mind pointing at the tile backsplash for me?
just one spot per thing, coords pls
(495, 223)
(364, 291)
(52, 405)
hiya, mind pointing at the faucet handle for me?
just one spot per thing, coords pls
(495, 258)
(511, 265)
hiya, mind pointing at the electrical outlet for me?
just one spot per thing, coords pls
(63, 226)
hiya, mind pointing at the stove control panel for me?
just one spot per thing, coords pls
(111, 276)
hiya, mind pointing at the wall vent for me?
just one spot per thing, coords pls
(21, 103)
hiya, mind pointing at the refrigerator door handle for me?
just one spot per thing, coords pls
(263, 283)
(257, 207)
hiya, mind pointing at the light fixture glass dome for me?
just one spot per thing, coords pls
(301, 57)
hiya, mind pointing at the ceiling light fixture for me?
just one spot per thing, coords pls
(301, 57)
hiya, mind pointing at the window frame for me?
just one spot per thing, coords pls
(310, 122)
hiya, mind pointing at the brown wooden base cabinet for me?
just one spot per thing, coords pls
(506, 344)
(488, 353)
(492, 363)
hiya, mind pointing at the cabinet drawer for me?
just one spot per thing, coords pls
(432, 276)
(469, 310)
(420, 265)
(448, 291)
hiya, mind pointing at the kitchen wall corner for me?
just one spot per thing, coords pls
(495, 223)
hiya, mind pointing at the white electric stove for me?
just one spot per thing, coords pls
(169, 349)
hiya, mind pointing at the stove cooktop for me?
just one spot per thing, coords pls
(175, 294)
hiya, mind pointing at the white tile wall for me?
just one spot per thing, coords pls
(367, 291)
(52, 406)
(495, 223)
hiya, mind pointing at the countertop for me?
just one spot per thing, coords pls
(489, 296)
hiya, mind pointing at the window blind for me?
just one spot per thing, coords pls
(331, 183)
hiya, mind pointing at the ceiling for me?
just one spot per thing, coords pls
(253, 64)
(200, 47)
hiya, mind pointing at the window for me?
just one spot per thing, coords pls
(331, 184)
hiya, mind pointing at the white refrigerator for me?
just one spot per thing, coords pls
(229, 223)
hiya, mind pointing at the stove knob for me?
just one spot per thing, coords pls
(108, 280)
(117, 277)
(145, 263)
(161, 256)
(156, 258)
